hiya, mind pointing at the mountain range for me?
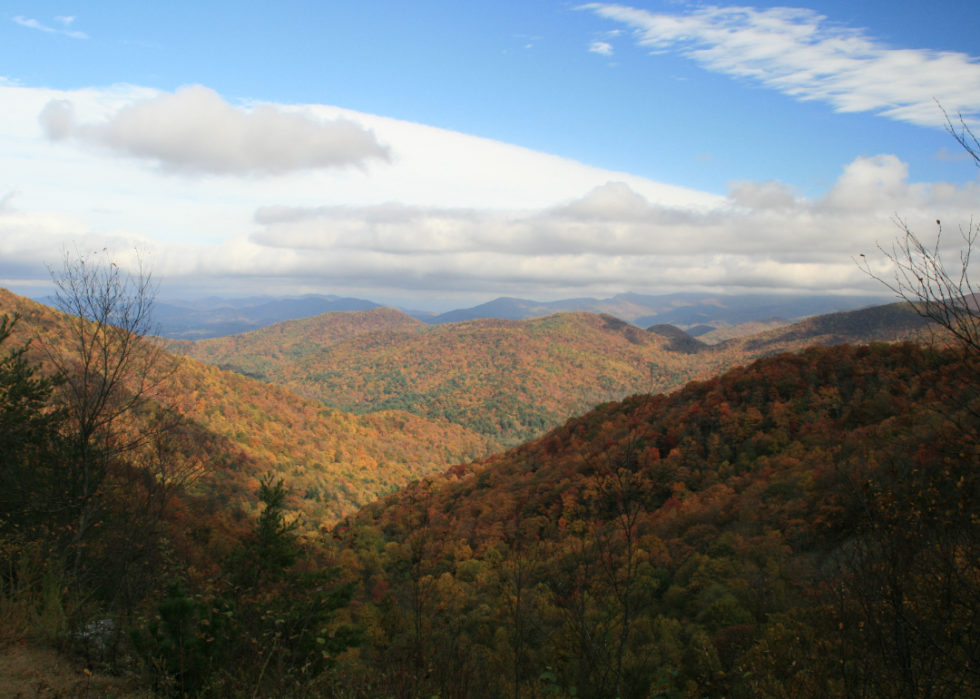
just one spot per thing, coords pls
(509, 380)
(351, 405)
(753, 517)
(685, 310)
(697, 313)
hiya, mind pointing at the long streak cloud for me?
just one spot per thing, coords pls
(801, 54)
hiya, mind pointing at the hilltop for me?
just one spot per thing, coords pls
(508, 380)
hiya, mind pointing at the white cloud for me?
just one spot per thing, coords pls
(6, 199)
(34, 24)
(451, 214)
(802, 54)
(601, 47)
(430, 167)
(762, 196)
(763, 236)
(195, 131)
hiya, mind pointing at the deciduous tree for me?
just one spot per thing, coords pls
(118, 418)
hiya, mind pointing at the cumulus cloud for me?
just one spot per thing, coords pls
(802, 54)
(763, 236)
(760, 196)
(34, 24)
(29, 240)
(614, 201)
(195, 131)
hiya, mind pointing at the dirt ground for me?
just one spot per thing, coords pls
(32, 672)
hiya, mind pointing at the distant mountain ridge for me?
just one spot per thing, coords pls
(697, 313)
(217, 317)
(681, 309)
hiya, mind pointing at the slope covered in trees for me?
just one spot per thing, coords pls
(334, 462)
(266, 352)
(804, 527)
(508, 380)
(109, 552)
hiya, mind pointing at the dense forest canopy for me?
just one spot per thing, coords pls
(509, 380)
(744, 536)
(243, 429)
(803, 525)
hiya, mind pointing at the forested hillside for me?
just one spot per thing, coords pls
(767, 532)
(508, 380)
(334, 462)
(802, 527)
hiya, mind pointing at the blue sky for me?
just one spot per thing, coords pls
(607, 148)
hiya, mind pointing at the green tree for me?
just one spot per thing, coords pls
(284, 605)
(29, 430)
(273, 548)
(188, 643)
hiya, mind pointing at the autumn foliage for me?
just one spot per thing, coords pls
(744, 536)
(803, 525)
(234, 430)
(508, 380)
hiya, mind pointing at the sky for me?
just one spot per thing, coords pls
(440, 154)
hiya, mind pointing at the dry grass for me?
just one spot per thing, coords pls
(34, 672)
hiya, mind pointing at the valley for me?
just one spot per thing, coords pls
(522, 350)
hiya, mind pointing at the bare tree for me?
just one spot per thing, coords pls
(914, 570)
(963, 135)
(945, 296)
(113, 390)
(943, 293)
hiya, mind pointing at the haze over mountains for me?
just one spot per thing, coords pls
(215, 316)
(697, 313)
